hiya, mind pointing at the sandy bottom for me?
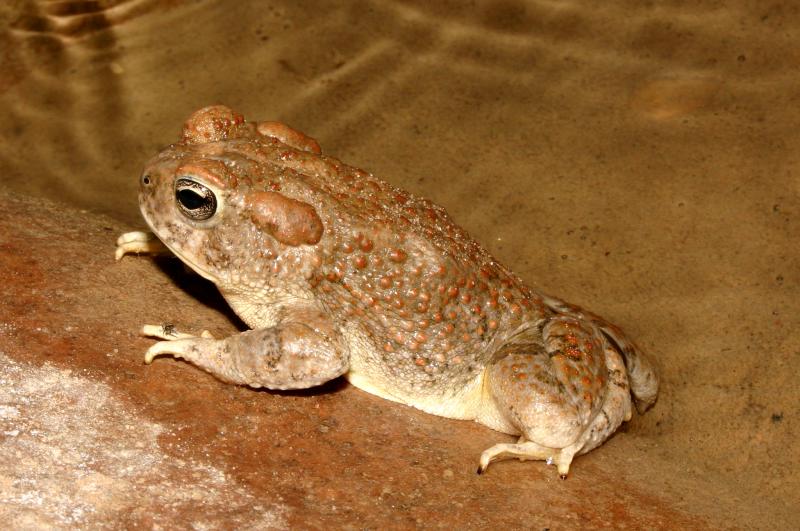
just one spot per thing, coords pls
(636, 158)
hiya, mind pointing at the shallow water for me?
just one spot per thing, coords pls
(639, 158)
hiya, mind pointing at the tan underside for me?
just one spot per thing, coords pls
(464, 404)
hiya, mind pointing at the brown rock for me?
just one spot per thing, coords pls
(92, 436)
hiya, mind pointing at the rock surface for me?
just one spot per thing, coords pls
(92, 437)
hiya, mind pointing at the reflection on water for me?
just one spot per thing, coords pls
(615, 132)
(91, 88)
(63, 105)
(76, 19)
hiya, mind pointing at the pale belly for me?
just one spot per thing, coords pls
(367, 373)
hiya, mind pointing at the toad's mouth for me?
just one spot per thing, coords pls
(196, 268)
(183, 258)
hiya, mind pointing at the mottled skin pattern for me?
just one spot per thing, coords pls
(340, 273)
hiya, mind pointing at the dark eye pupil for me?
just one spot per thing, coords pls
(191, 199)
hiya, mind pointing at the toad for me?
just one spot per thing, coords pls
(339, 273)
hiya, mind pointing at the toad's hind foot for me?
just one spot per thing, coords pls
(529, 451)
(565, 395)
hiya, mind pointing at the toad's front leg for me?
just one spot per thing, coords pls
(290, 355)
(140, 243)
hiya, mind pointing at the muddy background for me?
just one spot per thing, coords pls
(638, 158)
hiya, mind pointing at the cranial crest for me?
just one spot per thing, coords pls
(211, 124)
(289, 136)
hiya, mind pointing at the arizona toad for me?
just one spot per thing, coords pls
(340, 273)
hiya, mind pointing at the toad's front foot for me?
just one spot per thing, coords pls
(287, 356)
(172, 341)
(168, 332)
(139, 242)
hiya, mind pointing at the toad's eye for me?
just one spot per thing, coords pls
(195, 201)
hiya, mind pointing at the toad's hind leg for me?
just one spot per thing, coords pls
(564, 397)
